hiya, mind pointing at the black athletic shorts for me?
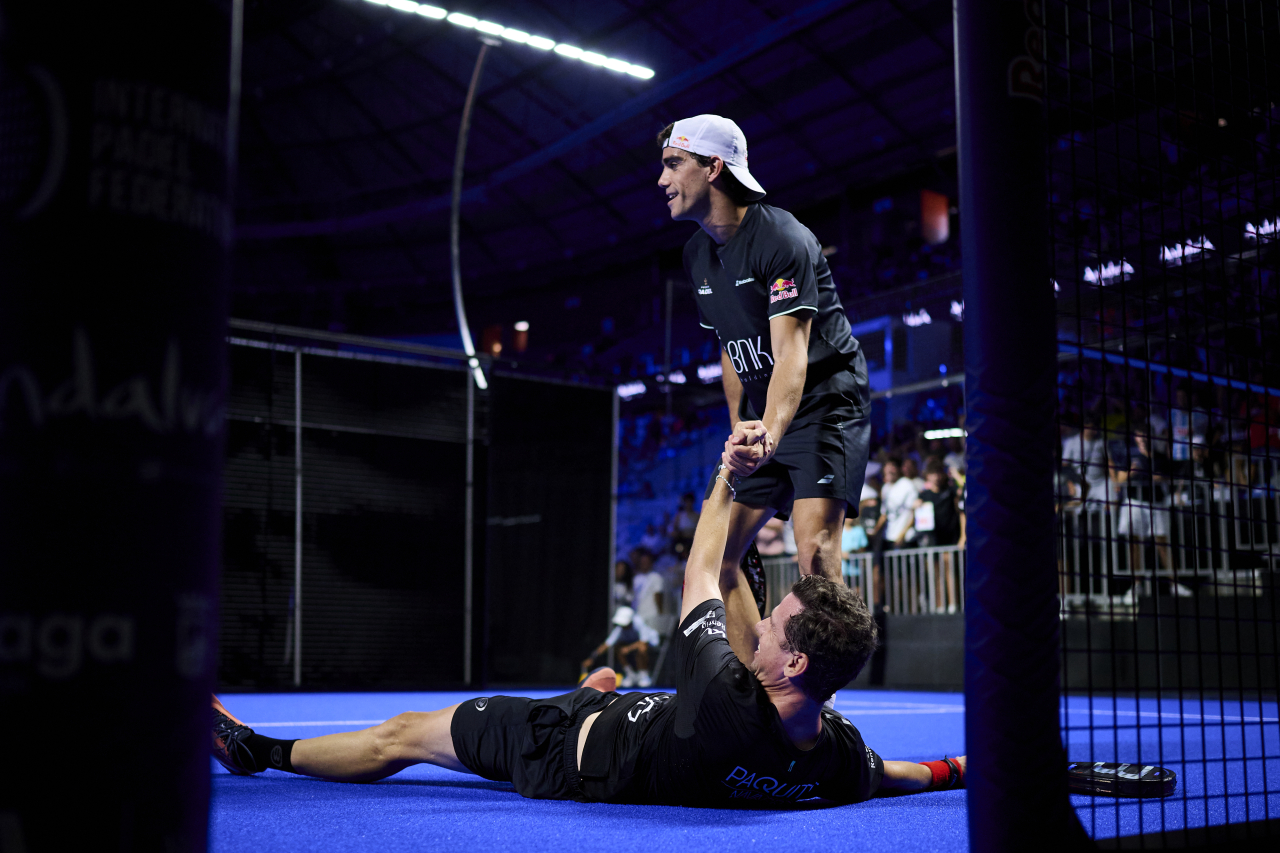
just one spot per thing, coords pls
(820, 459)
(531, 743)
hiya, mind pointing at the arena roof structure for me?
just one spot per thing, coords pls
(351, 111)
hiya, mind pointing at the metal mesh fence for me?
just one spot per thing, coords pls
(1163, 165)
(343, 523)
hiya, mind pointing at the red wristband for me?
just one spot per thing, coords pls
(947, 774)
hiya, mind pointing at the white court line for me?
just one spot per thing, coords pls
(938, 709)
(897, 704)
(867, 712)
(316, 723)
(1171, 715)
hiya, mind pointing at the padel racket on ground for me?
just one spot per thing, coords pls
(1120, 780)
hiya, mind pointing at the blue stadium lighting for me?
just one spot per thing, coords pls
(1108, 273)
(489, 28)
(630, 390)
(1268, 230)
(942, 368)
(676, 377)
(917, 318)
(708, 373)
(1174, 255)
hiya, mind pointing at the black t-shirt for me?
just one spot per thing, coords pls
(946, 518)
(773, 266)
(718, 741)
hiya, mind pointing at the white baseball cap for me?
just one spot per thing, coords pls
(623, 615)
(715, 136)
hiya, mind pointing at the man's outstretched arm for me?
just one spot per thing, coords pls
(908, 777)
(702, 571)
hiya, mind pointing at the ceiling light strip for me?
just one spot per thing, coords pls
(516, 36)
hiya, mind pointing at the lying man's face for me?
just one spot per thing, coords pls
(772, 655)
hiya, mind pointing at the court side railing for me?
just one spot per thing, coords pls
(918, 581)
(1111, 552)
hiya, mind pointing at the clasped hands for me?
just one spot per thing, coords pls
(749, 447)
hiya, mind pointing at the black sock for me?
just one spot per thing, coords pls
(269, 753)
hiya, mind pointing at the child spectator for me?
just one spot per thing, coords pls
(631, 639)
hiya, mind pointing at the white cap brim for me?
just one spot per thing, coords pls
(744, 177)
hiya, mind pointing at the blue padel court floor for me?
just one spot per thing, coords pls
(426, 808)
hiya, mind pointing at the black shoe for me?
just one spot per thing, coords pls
(228, 742)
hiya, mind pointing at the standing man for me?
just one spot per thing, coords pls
(793, 373)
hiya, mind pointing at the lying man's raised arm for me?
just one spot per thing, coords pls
(702, 571)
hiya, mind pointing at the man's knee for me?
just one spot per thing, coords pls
(816, 551)
(396, 738)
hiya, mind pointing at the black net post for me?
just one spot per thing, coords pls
(114, 231)
(1017, 782)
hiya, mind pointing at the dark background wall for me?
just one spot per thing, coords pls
(384, 476)
(549, 552)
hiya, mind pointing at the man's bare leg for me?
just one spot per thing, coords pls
(818, 523)
(386, 749)
(741, 613)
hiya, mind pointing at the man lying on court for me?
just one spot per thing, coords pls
(732, 734)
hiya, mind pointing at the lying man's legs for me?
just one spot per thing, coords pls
(363, 756)
(405, 740)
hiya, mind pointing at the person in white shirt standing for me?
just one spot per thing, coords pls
(897, 506)
(648, 593)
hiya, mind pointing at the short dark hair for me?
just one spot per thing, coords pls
(934, 466)
(835, 630)
(732, 187)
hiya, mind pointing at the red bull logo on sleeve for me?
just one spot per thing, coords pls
(782, 289)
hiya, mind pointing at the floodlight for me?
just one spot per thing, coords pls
(515, 36)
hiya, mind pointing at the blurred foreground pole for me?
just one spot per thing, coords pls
(1017, 767)
(114, 228)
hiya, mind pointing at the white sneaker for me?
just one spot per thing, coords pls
(643, 679)
(629, 677)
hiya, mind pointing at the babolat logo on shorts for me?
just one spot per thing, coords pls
(481, 704)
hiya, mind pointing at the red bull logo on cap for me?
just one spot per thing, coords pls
(782, 289)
